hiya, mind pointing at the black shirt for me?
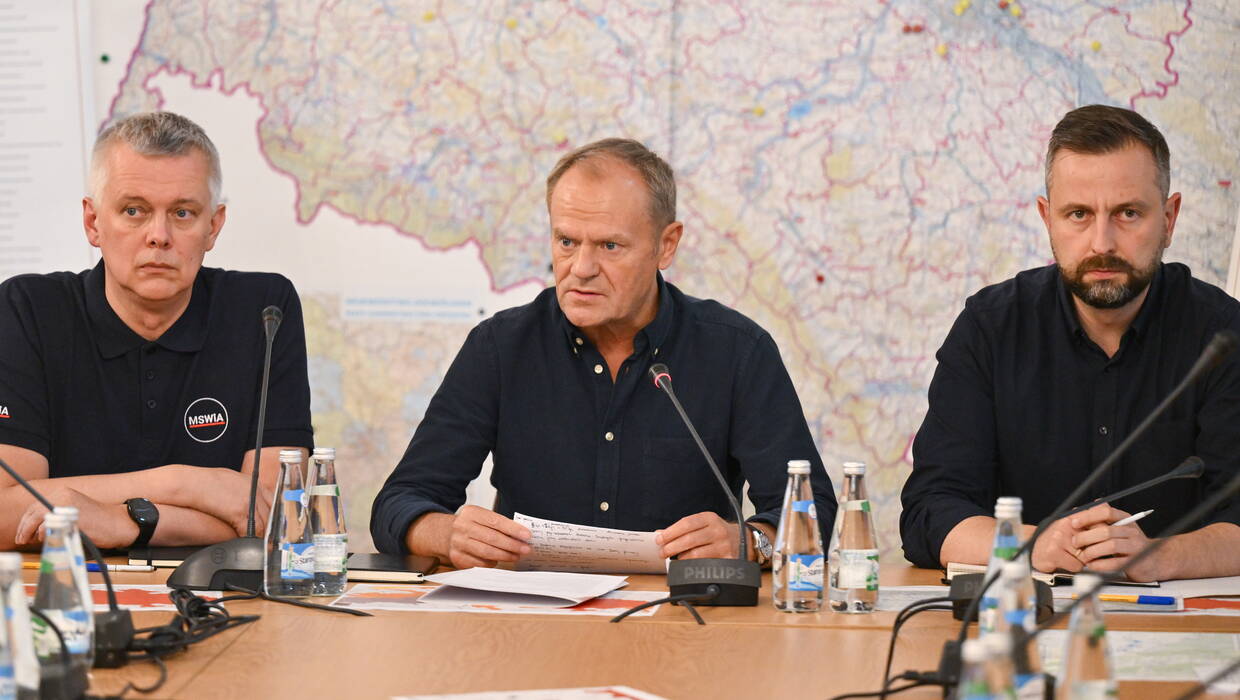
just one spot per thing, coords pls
(94, 397)
(1024, 404)
(569, 444)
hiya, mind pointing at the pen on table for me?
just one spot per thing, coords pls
(92, 566)
(1132, 518)
(1141, 599)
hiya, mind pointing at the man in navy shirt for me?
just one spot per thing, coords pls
(1043, 375)
(130, 390)
(558, 392)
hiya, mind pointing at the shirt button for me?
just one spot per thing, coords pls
(603, 506)
(609, 436)
(598, 369)
(150, 403)
(150, 374)
(656, 351)
(579, 341)
(1102, 430)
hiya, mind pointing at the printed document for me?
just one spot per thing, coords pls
(583, 549)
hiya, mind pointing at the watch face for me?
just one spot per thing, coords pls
(142, 511)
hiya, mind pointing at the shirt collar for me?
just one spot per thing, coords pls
(652, 336)
(114, 338)
(1144, 317)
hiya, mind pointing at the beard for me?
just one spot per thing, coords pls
(1109, 293)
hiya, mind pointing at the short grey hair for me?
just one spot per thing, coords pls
(655, 173)
(155, 134)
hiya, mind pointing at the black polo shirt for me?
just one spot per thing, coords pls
(1024, 404)
(82, 389)
(569, 444)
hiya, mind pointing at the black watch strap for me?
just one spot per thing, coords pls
(146, 515)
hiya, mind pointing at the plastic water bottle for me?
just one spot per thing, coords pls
(8, 678)
(1087, 669)
(1000, 674)
(331, 536)
(796, 562)
(853, 574)
(289, 569)
(1005, 546)
(1016, 620)
(79, 575)
(974, 684)
(20, 635)
(59, 598)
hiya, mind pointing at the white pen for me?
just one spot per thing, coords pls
(1132, 518)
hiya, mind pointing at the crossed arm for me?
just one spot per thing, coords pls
(197, 505)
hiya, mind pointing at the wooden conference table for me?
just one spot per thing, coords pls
(740, 653)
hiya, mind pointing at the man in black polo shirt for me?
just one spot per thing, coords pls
(1043, 375)
(130, 390)
(557, 391)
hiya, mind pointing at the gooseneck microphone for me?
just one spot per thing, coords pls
(1191, 468)
(733, 582)
(272, 316)
(237, 563)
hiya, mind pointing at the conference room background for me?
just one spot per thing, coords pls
(849, 172)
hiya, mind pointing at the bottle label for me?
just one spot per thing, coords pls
(804, 572)
(297, 496)
(74, 626)
(1005, 547)
(8, 682)
(54, 559)
(863, 505)
(330, 553)
(805, 507)
(325, 490)
(1092, 690)
(858, 569)
(297, 561)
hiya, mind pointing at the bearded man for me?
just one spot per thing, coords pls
(1043, 375)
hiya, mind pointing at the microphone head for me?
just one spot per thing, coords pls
(272, 313)
(1224, 342)
(659, 371)
(1190, 468)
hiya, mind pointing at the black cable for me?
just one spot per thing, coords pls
(903, 616)
(712, 592)
(880, 693)
(64, 648)
(294, 601)
(688, 605)
(1204, 685)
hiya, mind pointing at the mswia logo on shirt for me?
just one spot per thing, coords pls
(206, 420)
(4, 411)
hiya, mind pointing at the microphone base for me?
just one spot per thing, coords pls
(964, 588)
(738, 580)
(237, 562)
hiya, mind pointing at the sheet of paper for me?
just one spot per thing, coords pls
(133, 596)
(611, 692)
(407, 598)
(896, 598)
(1201, 587)
(1152, 656)
(583, 549)
(558, 588)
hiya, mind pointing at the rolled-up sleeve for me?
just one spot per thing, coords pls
(954, 453)
(448, 447)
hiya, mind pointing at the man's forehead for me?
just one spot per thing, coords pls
(1131, 168)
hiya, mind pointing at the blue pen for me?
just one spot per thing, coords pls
(92, 566)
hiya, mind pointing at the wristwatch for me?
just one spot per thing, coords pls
(146, 515)
(761, 544)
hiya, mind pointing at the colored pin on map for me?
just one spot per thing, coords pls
(428, 17)
(759, 111)
(961, 6)
(1015, 10)
(511, 23)
(941, 50)
(1096, 45)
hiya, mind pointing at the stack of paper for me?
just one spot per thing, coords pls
(551, 589)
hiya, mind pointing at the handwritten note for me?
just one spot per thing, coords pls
(583, 549)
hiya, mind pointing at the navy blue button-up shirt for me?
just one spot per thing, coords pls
(570, 444)
(1024, 404)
